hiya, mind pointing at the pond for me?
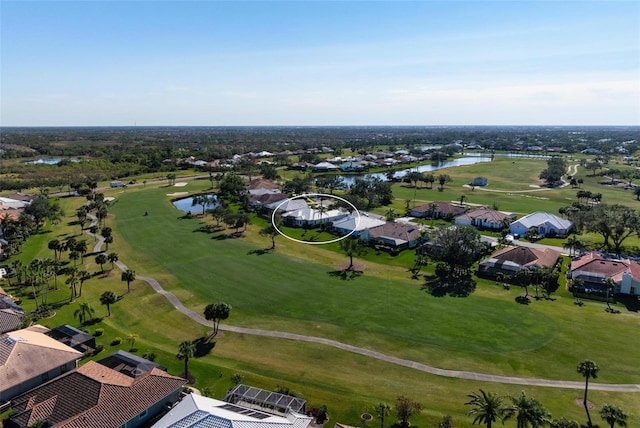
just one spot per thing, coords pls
(351, 179)
(186, 204)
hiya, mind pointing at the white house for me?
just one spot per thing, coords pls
(198, 411)
(544, 223)
(360, 226)
(311, 217)
(324, 166)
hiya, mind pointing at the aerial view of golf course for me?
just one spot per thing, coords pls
(220, 298)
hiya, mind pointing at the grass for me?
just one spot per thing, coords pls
(290, 289)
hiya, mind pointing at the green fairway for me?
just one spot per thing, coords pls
(380, 310)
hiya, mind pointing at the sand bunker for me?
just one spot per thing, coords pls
(180, 184)
(109, 198)
(177, 194)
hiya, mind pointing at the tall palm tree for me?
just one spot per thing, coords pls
(588, 369)
(101, 259)
(128, 276)
(382, 410)
(84, 312)
(613, 415)
(112, 258)
(487, 408)
(352, 247)
(83, 275)
(108, 298)
(186, 350)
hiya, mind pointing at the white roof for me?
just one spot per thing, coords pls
(311, 214)
(196, 411)
(351, 222)
(539, 217)
(325, 165)
(12, 203)
(288, 205)
(263, 191)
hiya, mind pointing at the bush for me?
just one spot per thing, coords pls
(99, 332)
(116, 341)
(99, 348)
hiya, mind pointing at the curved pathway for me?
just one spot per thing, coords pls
(369, 353)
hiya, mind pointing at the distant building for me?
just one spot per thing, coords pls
(544, 223)
(510, 260)
(479, 181)
(437, 210)
(485, 218)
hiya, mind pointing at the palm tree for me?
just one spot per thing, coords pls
(529, 411)
(83, 275)
(610, 285)
(217, 312)
(84, 312)
(382, 410)
(56, 246)
(101, 259)
(108, 298)
(112, 258)
(186, 350)
(128, 276)
(131, 338)
(352, 247)
(487, 408)
(613, 415)
(236, 379)
(72, 282)
(588, 369)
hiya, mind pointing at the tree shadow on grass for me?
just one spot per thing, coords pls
(259, 252)
(523, 300)
(204, 346)
(632, 303)
(454, 286)
(346, 274)
(207, 228)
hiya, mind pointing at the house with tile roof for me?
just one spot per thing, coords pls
(395, 235)
(198, 411)
(545, 224)
(94, 395)
(29, 357)
(11, 314)
(485, 218)
(510, 260)
(593, 269)
(438, 210)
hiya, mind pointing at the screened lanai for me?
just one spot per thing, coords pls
(267, 400)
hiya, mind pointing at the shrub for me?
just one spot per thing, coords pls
(116, 341)
(99, 348)
(99, 332)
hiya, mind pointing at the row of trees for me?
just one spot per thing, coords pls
(488, 408)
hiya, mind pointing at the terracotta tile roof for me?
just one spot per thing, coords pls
(486, 214)
(609, 268)
(402, 231)
(261, 183)
(28, 353)
(525, 256)
(107, 399)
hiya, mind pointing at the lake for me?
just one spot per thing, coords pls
(471, 160)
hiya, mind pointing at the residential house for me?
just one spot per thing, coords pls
(324, 167)
(11, 314)
(395, 235)
(359, 225)
(198, 411)
(545, 224)
(74, 338)
(311, 217)
(287, 205)
(94, 395)
(485, 218)
(437, 210)
(512, 259)
(29, 357)
(260, 201)
(353, 166)
(593, 269)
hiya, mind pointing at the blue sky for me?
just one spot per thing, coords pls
(92, 63)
